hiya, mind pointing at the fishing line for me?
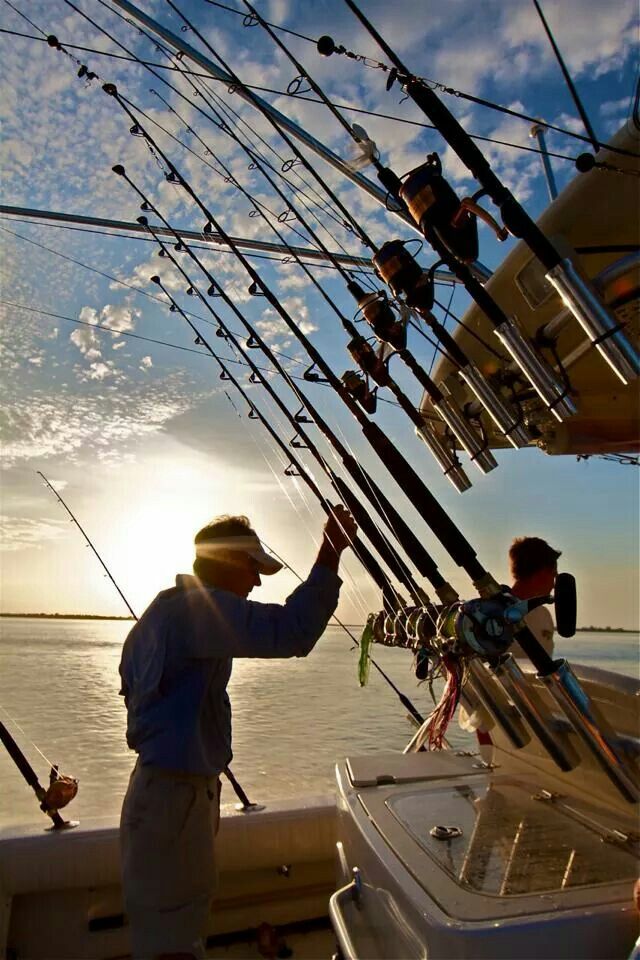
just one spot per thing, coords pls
(228, 178)
(361, 551)
(439, 521)
(169, 54)
(25, 17)
(376, 437)
(403, 699)
(137, 290)
(26, 736)
(321, 201)
(383, 547)
(442, 450)
(377, 65)
(326, 47)
(444, 324)
(358, 228)
(297, 96)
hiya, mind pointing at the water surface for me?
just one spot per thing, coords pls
(292, 718)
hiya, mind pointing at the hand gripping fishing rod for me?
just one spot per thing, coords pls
(405, 535)
(435, 516)
(577, 293)
(369, 563)
(244, 800)
(360, 350)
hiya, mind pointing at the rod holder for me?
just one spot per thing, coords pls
(591, 727)
(475, 446)
(550, 390)
(500, 412)
(493, 699)
(447, 461)
(596, 320)
(514, 681)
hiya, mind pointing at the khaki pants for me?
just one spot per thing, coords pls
(167, 837)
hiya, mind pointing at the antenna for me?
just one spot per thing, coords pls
(569, 81)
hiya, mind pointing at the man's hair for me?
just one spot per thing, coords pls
(529, 555)
(218, 529)
(224, 526)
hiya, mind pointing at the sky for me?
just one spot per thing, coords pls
(141, 438)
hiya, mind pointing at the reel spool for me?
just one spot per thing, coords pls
(404, 275)
(434, 205)
(378, 313)
(358, 388)
(367, 358)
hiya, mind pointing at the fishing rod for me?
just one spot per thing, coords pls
(367, 560)
(60, 792)
(242, 796)
(88, 542)
(362, 517)
(575, 290)
(389, 330)
(371, 365)
(295, 468)
(435, 516)
(396, 266)
(403, 532)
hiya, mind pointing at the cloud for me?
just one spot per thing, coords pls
(146, 363)
(120, 318)
(87, 342)
(19, 533)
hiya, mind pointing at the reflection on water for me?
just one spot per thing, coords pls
(292, 718)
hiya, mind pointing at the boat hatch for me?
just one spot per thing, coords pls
(509, 841)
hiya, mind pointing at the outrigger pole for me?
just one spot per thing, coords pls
(280, 118)
(213, 239)
(244, 800)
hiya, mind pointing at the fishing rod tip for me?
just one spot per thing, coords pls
(155, 279)
(110, 88)
(119, 169)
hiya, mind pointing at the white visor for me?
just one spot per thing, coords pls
(267, 565)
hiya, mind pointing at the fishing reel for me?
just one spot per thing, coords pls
(435, 207)
(61, 791)
(380, 316)
(403, 275)
(358, 387)
(369, 361)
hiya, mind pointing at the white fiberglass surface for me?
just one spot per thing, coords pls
(511, 843)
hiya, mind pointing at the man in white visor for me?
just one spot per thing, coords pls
(175, 667)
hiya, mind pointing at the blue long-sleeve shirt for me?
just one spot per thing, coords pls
(177, 660)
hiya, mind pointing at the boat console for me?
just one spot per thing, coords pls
(440, 856)
(443, 855)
